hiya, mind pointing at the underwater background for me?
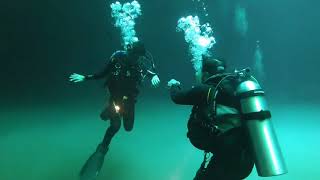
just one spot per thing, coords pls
(49, 126)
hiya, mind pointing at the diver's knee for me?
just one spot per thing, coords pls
(114, 127)
(128, 128)
(104, 116)
(128, 122)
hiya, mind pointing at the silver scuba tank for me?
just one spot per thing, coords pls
(266, 150)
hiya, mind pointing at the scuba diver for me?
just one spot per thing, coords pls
(124, 74)
(225, 124)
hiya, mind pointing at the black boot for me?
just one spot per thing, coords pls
(93, 165)
(201, 173)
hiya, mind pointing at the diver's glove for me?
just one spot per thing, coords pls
(155, 81)
(173, 82)
(76, 78)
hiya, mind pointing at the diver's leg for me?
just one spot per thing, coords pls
(128, 115)
(114, 127)
(107, 110)
(233, 160)
(215, 170)
(93, 165)
(230, 166)
(202, 171)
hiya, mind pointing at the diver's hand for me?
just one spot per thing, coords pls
(173, 82)
(155, 81)
(76, 78)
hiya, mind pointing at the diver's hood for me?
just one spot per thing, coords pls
(213, 66)
(136, 49)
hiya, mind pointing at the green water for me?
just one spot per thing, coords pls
(52, 142)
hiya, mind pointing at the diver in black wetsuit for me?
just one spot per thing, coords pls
(214, 124)
(124, 73)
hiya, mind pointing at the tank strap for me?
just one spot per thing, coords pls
(215, 94)
(257, 115)
(256, 92)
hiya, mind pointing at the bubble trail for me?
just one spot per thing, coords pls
(125, 16)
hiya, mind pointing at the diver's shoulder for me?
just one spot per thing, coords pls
(119, 54)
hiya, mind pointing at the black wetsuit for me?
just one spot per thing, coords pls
(124, 75)
(231, 158)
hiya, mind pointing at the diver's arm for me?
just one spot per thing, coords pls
(76, 78)
(197, 95)
(102, 73)
(150, 73)
(98, 75)
(107, 69)
(153, 76)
